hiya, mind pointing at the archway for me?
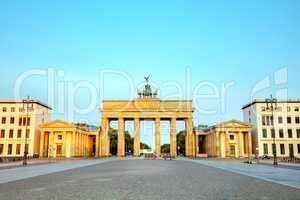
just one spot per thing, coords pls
(147, 106)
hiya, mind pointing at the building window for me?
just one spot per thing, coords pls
(289, 120)
(263, 120)
(281, 133)
(282, 150)
(9, 150)
(24, 121)
(19, 133)
(12, 109)
(296, 109)
(272, 133)
(26, 148)
(20, 121)
(3, 120)
(11, 133)
(59, 137)
(271, 120)
(21, 110)
(1, 148)
(298, 147)
(274, 148)
(265, 133)
(28, 121)
(280, 121)
(4, 109)
(291, 149)
(265, 149)
(298, 133)
(27, 133)
(2, 135)
(231, 137)
(290, 133)
(263, 109)
(18, 149)
(297, 120)
(12, 120)
(289, 109)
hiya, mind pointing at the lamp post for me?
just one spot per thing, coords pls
(27, 104)
(272, 105)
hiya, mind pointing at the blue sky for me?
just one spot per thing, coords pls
(222, 42)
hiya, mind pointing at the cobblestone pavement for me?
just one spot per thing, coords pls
(285, 176)
(19, 173)
(145, 179)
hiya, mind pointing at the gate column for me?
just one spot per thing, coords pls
(104, 138)
(157, 137)
(189, 138)
(136, 150)
(173, 142)
(121, 138)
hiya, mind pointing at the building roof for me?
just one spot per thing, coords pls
(20, 101)
(264, 101)
(58, 124)
(232, 122)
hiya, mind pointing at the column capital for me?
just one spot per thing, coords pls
(104, 119)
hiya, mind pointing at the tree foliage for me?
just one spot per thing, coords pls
(144, 146)
(165, 148)
(181, 142)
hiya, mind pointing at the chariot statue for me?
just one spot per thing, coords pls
(147, 91)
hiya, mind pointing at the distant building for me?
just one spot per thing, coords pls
(285, 127)
(144, 151)
(17, 123)
(229, 139)
(64, 139)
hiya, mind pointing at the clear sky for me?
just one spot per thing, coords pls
(203, 43)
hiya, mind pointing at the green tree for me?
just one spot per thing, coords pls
(165, 148)
(128, 142)
(144, 146)
(113, 136)
(181, 142)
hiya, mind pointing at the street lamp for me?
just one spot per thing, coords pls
(28, 106)
(272, 105)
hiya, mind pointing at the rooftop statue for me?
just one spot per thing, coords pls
(146, 91)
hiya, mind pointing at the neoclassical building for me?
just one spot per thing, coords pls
(63, 139)
(281, 135)
(58, 138)
(19, 127)
(146, 107)
(229, 139)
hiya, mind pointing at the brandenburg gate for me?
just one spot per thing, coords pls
(146, 107)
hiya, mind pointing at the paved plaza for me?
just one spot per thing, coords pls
(136, 179)
(285, 176)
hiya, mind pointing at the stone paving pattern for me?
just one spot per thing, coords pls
(285, 176)
(145, 179)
